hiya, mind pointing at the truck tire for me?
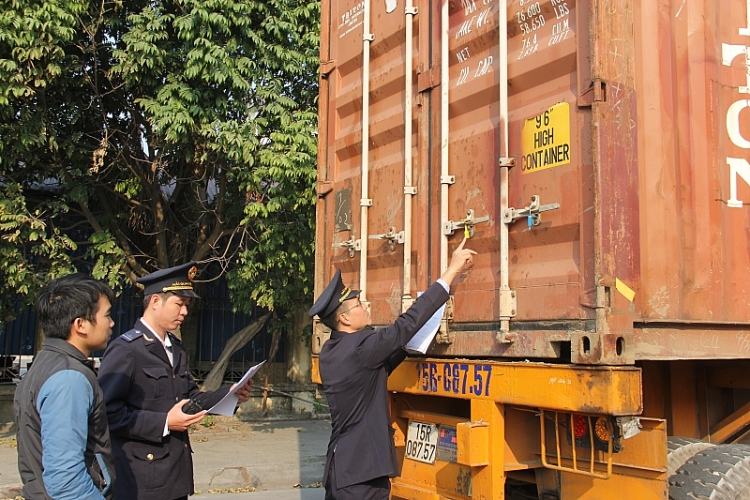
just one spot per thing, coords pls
(680, 449)
(717, 473)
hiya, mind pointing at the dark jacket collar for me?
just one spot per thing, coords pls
(63, 346)
(156, 346)
(335, 334)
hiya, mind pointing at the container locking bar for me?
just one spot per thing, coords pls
(469, 222)
(533, 212)
(351, 245)
(392, 236)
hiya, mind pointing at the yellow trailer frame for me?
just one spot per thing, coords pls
(506, 419)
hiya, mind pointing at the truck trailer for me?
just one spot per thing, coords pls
(596, 154)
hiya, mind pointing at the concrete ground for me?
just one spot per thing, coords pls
(234, 460)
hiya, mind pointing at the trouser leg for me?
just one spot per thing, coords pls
(374, 489)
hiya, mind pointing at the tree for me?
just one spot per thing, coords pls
(138, 135)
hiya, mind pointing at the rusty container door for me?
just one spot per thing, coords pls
(362, 158)
(457, 141)
(628, 125)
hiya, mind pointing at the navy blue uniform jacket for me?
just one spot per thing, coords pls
(140, 387)
(354, 368)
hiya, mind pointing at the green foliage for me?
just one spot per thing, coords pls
(163, 131)
(28, 242)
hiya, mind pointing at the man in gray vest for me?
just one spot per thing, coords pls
(63, 439)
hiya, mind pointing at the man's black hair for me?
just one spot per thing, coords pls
(63, 300)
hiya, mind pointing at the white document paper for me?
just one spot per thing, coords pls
(423, 338)
(229, 402)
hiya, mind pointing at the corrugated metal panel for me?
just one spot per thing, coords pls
(18, 336)
(632, 116)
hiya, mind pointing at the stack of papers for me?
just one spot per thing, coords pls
(228, 403)
(423, 338)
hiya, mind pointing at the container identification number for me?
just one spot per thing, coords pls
(458, 378)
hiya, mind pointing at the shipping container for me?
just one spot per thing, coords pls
(597, 154)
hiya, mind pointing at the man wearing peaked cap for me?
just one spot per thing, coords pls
(146, 381)
(354, 366)
(332, 297)
(178, 280)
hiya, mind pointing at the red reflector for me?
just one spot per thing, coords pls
(580, 426)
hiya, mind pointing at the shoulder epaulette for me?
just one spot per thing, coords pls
(131, 335)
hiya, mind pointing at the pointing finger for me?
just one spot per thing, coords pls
(461, 245)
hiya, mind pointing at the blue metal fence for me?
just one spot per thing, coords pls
(217, 324)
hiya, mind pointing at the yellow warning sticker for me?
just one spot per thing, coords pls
(545, 139)
(625, 290)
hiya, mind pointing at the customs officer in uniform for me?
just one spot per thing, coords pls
(145, 378)
(354, 366)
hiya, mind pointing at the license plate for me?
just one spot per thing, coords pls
(421, 442)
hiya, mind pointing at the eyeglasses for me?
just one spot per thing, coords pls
(358, 304)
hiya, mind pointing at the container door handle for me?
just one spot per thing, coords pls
(532, 213)
(468, 223)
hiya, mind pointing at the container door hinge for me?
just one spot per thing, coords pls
(532, 213)
(351, 245)
(596, 92)
(326, 67)
(469, 222)
(443, 335)
(323, 188)
(391, 236)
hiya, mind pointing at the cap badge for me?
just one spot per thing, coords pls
(192, 273)
(344, 294)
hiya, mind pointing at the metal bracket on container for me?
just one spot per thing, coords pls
(392, 236)
(351, 245)
(411, 11)
(506, 162)
(447, 179)
(406, 302)
(443, 337)
(533, 212)
(469, 222)
(508, 303)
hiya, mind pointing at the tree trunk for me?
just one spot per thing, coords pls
(267, 369)
(234, 344)
(298, 348)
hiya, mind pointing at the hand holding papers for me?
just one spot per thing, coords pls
(423, 338)
(229, 402)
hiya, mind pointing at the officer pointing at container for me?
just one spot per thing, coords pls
(354, 366)
(146, 382)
